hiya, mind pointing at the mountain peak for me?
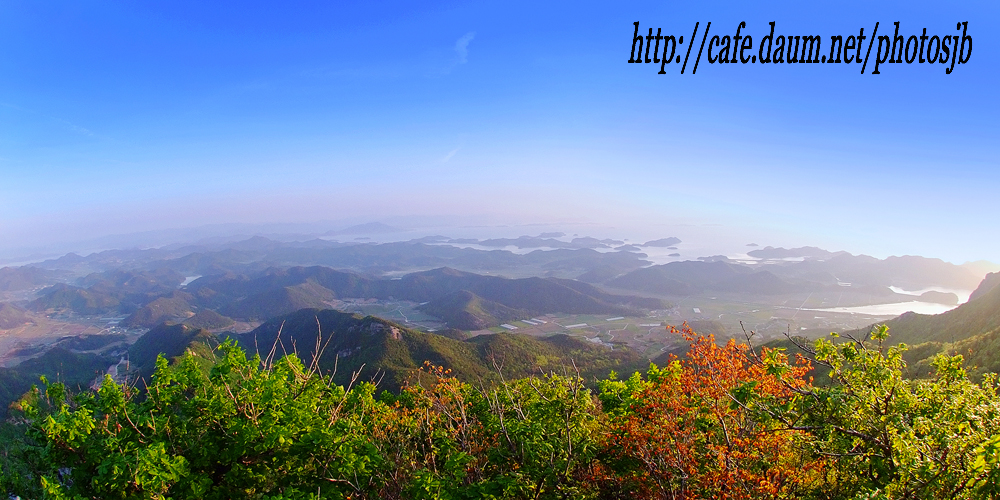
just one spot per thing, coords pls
(986, 286)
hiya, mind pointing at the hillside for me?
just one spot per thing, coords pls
(977, 316)
(171, 307)
(171, 341)
(971, 329)
(116, 291)
(467, 311)
(22, 278)
(209, 320)
(12, 316)
(279, 300)
(77, 361)
(59, 364)
(76, 299)
(390, 352)
(980, 353)
(986, 286)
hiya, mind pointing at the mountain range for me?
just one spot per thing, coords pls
(255, 280)
(383, 350)
(464, 300)
(838, 271)
(387, 352)
(258, 253)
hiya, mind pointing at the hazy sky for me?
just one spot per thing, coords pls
(125, 116)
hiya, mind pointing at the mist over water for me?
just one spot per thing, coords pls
(889, 310)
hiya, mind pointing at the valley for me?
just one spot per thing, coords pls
(602, 291)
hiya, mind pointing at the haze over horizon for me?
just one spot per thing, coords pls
(121, 119)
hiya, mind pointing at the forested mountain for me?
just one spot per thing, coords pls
(174, 305)
(108, 292)
(209, 320)
(383, 350)
(979, 315)
(170, 341)
(467, 311)
(971, 330)
(59, 364)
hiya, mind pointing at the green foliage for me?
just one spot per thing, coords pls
(975, 317)
(887, 435)
(241, 431)
(723, 421)
(249, 430)
(76, 370)
(548, 435)
(979, 352)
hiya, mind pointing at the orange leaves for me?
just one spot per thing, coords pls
(696, 430)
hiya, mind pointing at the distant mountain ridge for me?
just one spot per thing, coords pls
(258, 253)
(25, 277)
(786, 253)
(152, 297)
(248, 279)
(823, 271)
(690, 277)
(367, 228)
(280, 291)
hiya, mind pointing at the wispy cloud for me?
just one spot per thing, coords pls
(65, 123)
(436, 62)
(78, 129)
(462, 46)
(449, 155)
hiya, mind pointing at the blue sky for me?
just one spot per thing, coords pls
(120, 117)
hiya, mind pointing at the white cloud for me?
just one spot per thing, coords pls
(462, 46)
